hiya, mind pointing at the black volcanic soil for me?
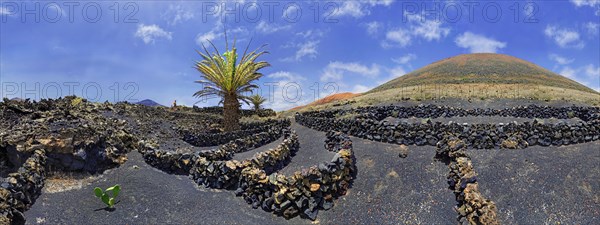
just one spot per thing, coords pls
(530, 186)
(410, 189)
(542, 185)
(148, 196)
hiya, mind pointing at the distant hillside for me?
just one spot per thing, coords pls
(482, 68)
(329, 99)
(148, 102)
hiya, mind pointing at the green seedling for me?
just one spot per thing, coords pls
(103, 195)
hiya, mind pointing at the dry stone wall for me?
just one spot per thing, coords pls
(305, 192)
(243, 112)
(19, 190)
(181, 163)
(480, 136)
(214, 139)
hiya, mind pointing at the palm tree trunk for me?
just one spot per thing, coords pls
(231, 114)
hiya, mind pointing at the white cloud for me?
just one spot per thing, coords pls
(399, 36)
(568, 72)
(177, 14)
(417, 27)
(307, 48)
(405, 58)
(284, 75)
(565, 38)
(150, 33)
(592, 28)
(356, 9)
(528, 9)
(373, 28)
(267, 28)
(591, 71)
(397, 72)
(582, 74)
(380, 2)
(286, 91)
(310, 34)
(203, 39)
(590, 3)
(4, 11)
(292, 11)
(336, 70)
(217, 32)
(350, 8)
(560, 60)
(478, 43)
(427, 29)
(360, 88)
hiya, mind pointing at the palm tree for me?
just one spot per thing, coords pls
(226, 77)
(256, 101)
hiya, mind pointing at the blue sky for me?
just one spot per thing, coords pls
(138, 50)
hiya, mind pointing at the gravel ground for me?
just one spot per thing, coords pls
(542, 185)
(531, 186)
(148, 196)
(393, 190)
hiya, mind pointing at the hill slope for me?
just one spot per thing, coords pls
(329, 99)
(482, 68)
(148, 102)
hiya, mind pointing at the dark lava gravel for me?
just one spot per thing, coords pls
(148, 196)
(530, 186)
(393, 190)
(542, 185)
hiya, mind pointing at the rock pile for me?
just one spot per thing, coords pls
(19, 190)
(72, 131)
(462, 180)
(305, 192)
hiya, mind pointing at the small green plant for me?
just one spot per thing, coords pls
(103, 195)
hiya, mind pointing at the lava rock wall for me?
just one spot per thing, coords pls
(471, 206)
(307, 191)
(19, 190)
(181, 163)
(243, 112)
(214, 139)
(225, 174)
(435, 111)
(480, 136)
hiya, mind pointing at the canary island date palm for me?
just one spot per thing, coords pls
(256, 101)
(228, 76)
